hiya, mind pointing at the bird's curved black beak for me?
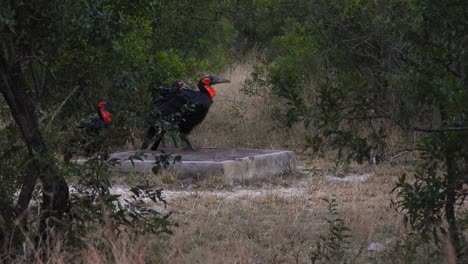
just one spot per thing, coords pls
(216, 80)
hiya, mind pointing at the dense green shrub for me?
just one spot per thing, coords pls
(352, 69)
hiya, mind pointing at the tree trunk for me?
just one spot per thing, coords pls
(451, 199)
(6, 220)
(42, 165)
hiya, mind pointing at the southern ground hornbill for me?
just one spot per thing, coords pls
(182, 109)
(88, 137)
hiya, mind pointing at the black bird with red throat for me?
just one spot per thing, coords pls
(190, 107)
(87, 137)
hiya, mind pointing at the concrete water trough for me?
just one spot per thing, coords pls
(233, 164)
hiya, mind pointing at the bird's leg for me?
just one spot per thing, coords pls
(163, 143)
(188, 145)
(150, 132)
(70, 148)
(158, 140)
(174, 140)
(172, 136)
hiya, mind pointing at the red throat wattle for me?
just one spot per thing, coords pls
(211, 91)
(106, 116)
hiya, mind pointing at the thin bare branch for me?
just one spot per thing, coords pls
(440, 130)
(61, 106)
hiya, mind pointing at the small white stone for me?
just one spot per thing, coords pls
(349, 178)
(375, 246)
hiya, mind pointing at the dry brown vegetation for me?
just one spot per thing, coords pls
(279, 222)
(273, 221)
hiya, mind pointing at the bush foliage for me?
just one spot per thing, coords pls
(349, 71)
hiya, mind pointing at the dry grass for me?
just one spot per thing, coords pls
(277, 224)
(277, 221)
(102, 246)
(105, 247)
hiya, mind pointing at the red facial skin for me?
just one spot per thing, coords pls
(102, 104)
(209, 89)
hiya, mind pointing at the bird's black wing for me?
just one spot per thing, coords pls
(92, 123)
(170, 101)
(196, 98)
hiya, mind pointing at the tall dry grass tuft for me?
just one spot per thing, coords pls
(104, 247)
(100, 248)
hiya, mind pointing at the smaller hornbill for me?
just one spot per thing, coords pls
(185, 107)
(88, 137)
